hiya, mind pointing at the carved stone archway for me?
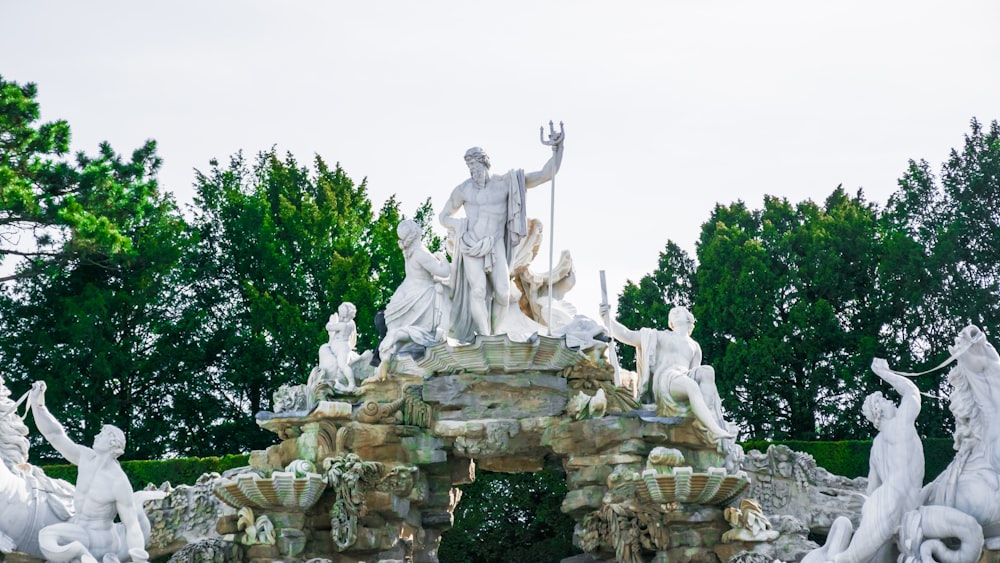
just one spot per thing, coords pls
(640, 487)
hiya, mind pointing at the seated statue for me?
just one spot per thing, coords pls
(672, 359)
(417, 313)
(337, 355)
(102, 493)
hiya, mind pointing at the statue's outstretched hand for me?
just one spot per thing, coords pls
(880, 364)
(37, 394)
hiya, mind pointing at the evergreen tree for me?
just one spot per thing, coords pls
(92, 323)
(51, 209)
(280, 248)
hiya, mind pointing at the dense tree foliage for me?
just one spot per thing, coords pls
(510, 518)
(794, 300)
(783, 311)
(97, 326)
(280, 247)
(52, 209)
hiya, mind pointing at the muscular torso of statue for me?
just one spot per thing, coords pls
(95, 503)
(899, 441)
(485, 207)
(674, 350)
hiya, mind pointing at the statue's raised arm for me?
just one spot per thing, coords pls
(555, 140)
(909, 404)
(102, 492)
(50, 427)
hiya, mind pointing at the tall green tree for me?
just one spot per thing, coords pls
(50, 209)
(92, 323)
(781, 297)
(281, 246)
(938, 269)
(967, 251)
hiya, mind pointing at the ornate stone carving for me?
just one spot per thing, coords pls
(188, 514)
(588, 377)
(669, 363)
(969, 481)
(484, 242)
(255, 531)
(291, 398)
(103, 493)
(499, 354)
(415, 411)
(947, 519)
(939, 533)
(628, 526)
(351, 478)
(667, 507)
(751, 557)
(784, 481)
(209, 550)
(749, 523)
(417, 315)
(373, 412)
(486, 438)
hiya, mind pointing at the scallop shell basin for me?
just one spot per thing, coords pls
(714, 488)
(282, 491)
(499, 354)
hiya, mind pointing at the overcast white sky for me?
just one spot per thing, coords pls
(669, 107)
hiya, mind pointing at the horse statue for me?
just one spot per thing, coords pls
(29, 500)
(971, 483)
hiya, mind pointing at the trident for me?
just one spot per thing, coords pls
(553, 141)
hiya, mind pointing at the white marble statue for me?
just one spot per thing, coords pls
(939, 534)
(336, 356)
(486, 237)
(418, 311)
(971, 483)
(672, 359)
(102, 492)
(896, 471)
(29, 500)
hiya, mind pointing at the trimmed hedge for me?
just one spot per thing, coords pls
(850, 457)
(180, 471)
